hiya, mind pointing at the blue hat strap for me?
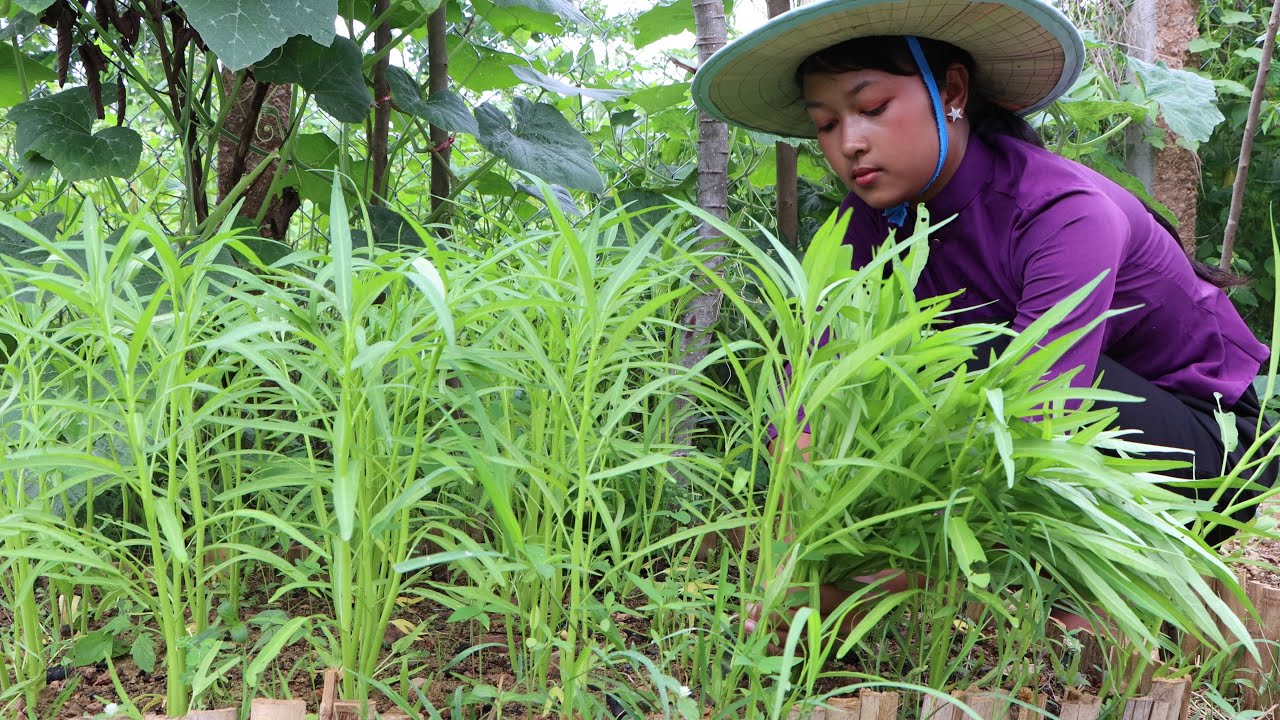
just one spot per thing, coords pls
(897, 215)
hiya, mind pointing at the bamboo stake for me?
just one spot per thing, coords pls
(220, 714)
(1175, 695)
(264, 709)
(844, 708)
(329, 694)
(879, 706)
(1080, 706)
(1250, 130)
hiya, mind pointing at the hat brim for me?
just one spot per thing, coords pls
(1026, 54)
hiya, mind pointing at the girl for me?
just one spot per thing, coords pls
(920, 101)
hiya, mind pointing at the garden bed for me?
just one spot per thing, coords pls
(85, 692)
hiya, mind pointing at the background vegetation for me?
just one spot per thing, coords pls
(293, 312)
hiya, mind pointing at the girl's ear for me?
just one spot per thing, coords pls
(955, 91)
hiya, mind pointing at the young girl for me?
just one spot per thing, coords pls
(920, 101)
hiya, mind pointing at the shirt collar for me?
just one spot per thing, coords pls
(973, 173)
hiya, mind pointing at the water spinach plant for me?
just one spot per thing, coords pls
(487, 428)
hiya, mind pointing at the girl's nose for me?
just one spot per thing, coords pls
(854, 140)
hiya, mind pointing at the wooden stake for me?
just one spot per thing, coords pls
(347, 710)
(1080, 706)
(879, 706)
(844, 708)
(1175, 695)
(1034, 700)
(936, 708)
(330, 693)
(1266, 600)
(220, 714)
(984, 704)
(264, 709)
(1138, 709)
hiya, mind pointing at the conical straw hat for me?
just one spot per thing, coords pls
(1026, 54)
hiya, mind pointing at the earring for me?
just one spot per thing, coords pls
(955, 113)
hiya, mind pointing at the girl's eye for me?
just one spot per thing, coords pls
(826, 126)
(876, 110)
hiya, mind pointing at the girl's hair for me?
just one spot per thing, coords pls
(890, 53)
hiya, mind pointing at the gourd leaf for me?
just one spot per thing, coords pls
(333, 74)
(242, 32)
(542, 143)
(445, 109)
(11, 91)
(559, 87)
(560, 8)
(1188, 102)
(666, 20)
(57, 131)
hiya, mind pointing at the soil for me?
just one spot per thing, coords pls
(1260, 559)
(85, 691)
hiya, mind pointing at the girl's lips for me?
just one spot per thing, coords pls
(864, 178)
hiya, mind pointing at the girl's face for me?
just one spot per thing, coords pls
(878, 132)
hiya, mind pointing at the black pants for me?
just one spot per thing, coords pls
(1180, 421)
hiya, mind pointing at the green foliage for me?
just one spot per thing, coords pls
(333, 74)
(58, 131)
(445, 109)
(242, 32)
(542, 143)
(1187, 101)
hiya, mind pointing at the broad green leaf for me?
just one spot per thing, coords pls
(390, 229)
(402, 14)
(543, 144)
(445, 109)
(514, 18)
(57, 131)
(1235, 17)
(546, 82)
(94, 647)
(1231, 87)
(35, 6)
(1187, 101)
(1203, 44)
(968, 551)
(479, 68)
(660, 97)
(1088, 114)
(242, 32)
(24, 23)
(144, 652)
(560, 8)
(10, 88)
(666, 20)
(1253, 54)
(333, 74)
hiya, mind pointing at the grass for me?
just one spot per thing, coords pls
(486, 424)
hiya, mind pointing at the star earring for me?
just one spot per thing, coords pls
(955, 113)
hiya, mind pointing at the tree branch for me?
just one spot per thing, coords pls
(1246, 147)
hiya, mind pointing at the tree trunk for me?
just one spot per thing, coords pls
(713, 196)
(438, 67)
(1161, 30)
(786, 187)
(259, 118)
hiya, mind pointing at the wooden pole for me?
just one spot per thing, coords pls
(1246, 146)
(786, 187)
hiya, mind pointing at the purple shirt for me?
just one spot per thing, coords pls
(1034, 227)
